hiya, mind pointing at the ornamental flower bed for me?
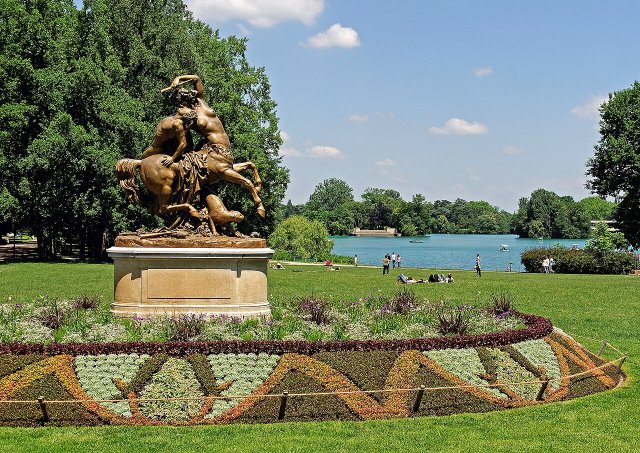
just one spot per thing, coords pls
(187, 383)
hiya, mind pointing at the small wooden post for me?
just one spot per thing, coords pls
(603, 347)
(283, 404)
(419, 395)
(43, 408)
(621, 362)
(540, 396)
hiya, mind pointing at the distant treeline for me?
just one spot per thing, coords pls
(543, 214)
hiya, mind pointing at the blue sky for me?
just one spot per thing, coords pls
(477, 100)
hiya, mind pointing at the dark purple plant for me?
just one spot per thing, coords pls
(402, 302)
(85, 302)
(501, 303)
(453, 320)
(52, 314)
(186, 327)
(315, 309)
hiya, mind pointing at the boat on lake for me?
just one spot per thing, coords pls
(504, 248)
(416, 241)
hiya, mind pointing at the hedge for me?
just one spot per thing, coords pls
(570, 261)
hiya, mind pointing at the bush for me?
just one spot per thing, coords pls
(501, 303)
(315, 309)
(569, 261)
(401, 303)
(453, 321)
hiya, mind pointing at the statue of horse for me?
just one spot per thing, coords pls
(177, 186)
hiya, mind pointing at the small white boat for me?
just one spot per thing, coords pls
(416, 241)
(504, 248)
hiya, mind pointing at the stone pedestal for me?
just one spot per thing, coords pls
(166, 281)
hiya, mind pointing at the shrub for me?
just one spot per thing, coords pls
(501, 303)
(453, 321)
(569, 261)
(52, 314)
(315, 309)
(401, 303)
(86, 302)
(185, 327)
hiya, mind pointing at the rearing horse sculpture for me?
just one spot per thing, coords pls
(161, 181)
(177, 184)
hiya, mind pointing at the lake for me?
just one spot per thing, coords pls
(445, 251)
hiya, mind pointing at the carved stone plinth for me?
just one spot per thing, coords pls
(167, 281)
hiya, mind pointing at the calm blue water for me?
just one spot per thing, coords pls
(445, 251)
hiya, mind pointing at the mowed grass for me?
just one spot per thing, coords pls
(599, 307)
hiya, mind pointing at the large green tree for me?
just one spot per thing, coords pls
(546, 214)
(330, 203)
(301, 238)
(615, 166)
(80, 89)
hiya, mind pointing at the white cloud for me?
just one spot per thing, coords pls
(285, 149)
(483, 72)
(458, 126)
(511, 150)
(386, 163)
(288, 151)
(244, 31)
(335, 36)
(590, 108)
(259, 13)
(356, 118)
(325, 152)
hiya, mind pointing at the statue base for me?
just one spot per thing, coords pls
(179, 277)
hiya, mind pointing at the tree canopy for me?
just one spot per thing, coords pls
(301, 238)
(615, 166)
(80, 89)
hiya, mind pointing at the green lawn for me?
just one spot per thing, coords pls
(593, 306)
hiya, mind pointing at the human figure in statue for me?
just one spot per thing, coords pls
(208, 123)
(171, 133)
(217, 144)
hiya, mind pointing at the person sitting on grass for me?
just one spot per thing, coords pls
(450, 278)
(402, 279)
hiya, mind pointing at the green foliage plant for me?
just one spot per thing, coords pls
(615, 166)
(301, 238)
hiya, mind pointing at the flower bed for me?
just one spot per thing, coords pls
(243, 381)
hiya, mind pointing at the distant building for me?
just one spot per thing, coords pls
(387, 232)
(610, 223)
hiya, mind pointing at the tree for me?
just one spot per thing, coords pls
(604, 240)
(615, 166)
(329, 203)
(301, 238)
(597, 208)
(81, 89)
(545, 214)
(328, 194)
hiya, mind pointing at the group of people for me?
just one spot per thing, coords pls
(547, 264)
(433, 278)
(390, 261)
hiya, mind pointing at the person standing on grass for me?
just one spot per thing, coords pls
(355, 261)
(551, 264)
(393, 260)
(545, 264)
(385, 265)
(478, 268)
(399, 260)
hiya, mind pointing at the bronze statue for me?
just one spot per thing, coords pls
(172, 128)
(176, 175)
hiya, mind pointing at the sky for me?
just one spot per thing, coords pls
(450, 99)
